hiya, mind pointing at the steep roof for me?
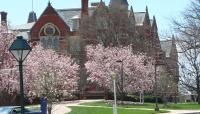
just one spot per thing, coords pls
(68, 14)
(166, 46)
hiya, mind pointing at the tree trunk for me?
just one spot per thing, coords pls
(165, 100)
(121, 94)
(198, 97)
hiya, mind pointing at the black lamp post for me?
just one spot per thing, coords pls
(156, 91)
(122, 65)
(122, 78)
(20, 49)
(158, 61)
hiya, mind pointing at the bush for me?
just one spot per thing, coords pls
(135, 98)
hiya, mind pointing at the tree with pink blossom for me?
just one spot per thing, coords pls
(49, 74)
(138, 72)
(8, 71)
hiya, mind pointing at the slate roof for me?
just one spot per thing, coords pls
(25, 35)
(166, 47)
(69, 14)
(74, 13)
(24, 27)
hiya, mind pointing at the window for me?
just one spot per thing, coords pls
(49, 36)
(49, 30)
(75, 22)
(50, 42)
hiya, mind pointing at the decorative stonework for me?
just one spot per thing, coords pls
(49, 29)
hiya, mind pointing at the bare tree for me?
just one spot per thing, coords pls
(188, 41)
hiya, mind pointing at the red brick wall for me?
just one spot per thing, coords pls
(51, 16)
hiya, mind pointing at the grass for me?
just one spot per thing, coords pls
(103, 103)
(183, 106)
(178, 106)
(108, 110)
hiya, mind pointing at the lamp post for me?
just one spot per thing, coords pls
(158, 61)
(20, 49)
(114, 90)
(156, 108)
(122, 78)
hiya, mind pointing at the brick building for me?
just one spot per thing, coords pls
(59, 29)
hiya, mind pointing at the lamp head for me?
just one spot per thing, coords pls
(20, 48)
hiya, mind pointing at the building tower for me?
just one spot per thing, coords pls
(32, 16)
(123, 4)
(3, 18)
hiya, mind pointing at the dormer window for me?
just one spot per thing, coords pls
(75, 23)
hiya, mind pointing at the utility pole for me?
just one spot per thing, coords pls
(115, 95)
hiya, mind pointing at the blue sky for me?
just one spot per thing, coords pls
(164, 10)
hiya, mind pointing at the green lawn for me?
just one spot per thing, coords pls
(103, 103)
(185, 106)
(107, 110)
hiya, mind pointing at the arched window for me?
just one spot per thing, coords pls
(49, 36)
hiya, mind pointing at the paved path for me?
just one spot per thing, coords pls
(183, 112)
(62, 108)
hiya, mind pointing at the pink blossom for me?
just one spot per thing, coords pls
(102, 61)
(47, 72)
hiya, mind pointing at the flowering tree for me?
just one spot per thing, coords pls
(137, 70)
(8, 79)
(49, 74)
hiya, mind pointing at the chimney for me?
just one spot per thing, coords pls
(84, 8)
(3, 17)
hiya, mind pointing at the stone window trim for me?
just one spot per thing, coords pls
(49, 29)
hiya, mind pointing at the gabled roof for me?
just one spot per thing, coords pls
(166, 46)
(68, 14)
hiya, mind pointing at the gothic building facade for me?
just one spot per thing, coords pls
(60, 29)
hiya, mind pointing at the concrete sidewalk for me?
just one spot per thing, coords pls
(62, 108)
(183, 112)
